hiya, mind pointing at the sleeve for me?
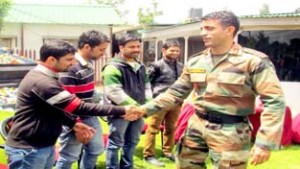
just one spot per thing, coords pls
(53, 94)
(112, 80)
(153, 72)
(173, 96)
(148, 89)
(68, 120)
(267, 85)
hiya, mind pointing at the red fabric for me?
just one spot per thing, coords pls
(183, 118)
(145, 127)
(57, 147)
(3, 166)
(73, 105)
(287, 124)
(105, 138)
(296, 129)
(80, 88)
(287, 128)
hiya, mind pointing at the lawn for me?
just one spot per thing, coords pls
(286, 158)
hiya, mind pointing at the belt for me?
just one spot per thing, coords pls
(214, 117)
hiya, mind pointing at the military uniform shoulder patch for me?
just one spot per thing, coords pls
(236, 60)
(255, 52)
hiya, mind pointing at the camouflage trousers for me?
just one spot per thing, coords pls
(227, 145)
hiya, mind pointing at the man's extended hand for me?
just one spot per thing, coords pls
(83, 132)
(133, 113)
(259, 155)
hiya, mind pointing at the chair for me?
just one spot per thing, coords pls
(5, 125)
(296, 129)
(187, 111)
(287, 124)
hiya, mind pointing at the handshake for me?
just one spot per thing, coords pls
(133, 113)
(85, 133)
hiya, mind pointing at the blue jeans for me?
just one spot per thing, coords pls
(126, 135)
(71, 148)
(30, 158)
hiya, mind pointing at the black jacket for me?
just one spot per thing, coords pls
(163, 74)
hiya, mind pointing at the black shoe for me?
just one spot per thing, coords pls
(154, 161)
(169, 156)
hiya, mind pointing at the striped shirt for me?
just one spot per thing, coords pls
(79, 80)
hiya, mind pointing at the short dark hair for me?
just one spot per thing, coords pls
(226, 18)
(170, 43)
(56, 48)
(125, 38)
(92, 38)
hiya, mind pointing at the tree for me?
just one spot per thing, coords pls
(116, 4)
(147, 16)
(297, 10)
(4, 6)
(264, 10)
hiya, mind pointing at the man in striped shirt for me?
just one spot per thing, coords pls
(79, 80)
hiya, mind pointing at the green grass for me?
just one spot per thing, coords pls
(286, 158)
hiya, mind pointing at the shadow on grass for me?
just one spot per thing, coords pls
(139, 152)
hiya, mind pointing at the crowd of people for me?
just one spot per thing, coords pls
(55, 102)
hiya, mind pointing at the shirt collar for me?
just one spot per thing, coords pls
(46, 70)
(81, 60)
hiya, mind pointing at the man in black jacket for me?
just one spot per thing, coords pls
(163, 74)
(43, 106)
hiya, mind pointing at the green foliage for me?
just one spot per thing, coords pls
(4, 6)
(264, 10)
(116, 4)
(147, 16)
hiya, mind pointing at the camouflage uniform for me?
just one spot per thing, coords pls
(226, 88)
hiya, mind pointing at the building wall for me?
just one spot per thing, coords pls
(34, 35)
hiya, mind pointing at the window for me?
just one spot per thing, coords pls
(149, 52)
(196, 45)
(7, 42)
(281, 46)
(159, 49)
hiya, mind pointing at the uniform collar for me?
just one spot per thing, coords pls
(236, 49)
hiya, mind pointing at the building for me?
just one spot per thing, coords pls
(277, 35)
(27, 26)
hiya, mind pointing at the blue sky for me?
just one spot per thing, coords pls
(176, 11)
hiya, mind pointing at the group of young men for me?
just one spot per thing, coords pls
(55, 100)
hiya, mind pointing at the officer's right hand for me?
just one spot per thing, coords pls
(259, 155)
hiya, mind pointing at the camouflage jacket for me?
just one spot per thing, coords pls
(230, 87)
